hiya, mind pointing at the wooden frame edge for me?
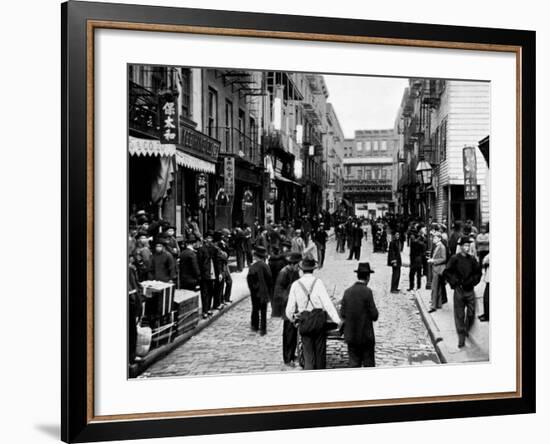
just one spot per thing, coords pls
(91, 25)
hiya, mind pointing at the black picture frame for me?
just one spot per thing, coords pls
(77, 424)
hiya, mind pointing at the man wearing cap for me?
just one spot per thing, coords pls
(190, 273)
(163, 265)
(463, 273)
(288, 275)
(358, 312)
(307, 294)
(260, 284)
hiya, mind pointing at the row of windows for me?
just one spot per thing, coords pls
(212, 112)
(368, 173)
(368, 146)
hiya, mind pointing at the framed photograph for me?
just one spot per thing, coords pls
(275, 222)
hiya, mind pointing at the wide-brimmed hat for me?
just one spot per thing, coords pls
(191, 239)
(260, 251)
(294, 258)
(286, 243)
(464, 240)
(364, 267)
(308, 264)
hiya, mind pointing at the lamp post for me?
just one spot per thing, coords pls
(424, 173)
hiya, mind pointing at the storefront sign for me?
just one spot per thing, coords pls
(168, 118)
(199, 144)
(201, 190)
(229, 175)
(470, 173)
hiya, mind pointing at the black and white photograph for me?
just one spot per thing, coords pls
(292, 221)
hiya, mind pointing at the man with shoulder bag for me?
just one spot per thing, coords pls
(308, 306)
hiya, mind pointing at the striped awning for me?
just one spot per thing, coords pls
(194, 163)
(149, 147)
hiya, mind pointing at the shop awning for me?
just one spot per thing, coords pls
(284, 179)
(149, 147)
(194, 163)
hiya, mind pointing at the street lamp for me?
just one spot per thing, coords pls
(424, 174)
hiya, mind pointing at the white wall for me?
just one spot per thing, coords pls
(29, 374)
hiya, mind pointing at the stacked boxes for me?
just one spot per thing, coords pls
(159, 311)
(186, 306)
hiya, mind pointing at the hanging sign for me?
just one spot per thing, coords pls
(201, 189)
(470, 172)
(229, 175)
(168, 118)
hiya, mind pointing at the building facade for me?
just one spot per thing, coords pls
(334, 168)
(441, 120)
(369, 170)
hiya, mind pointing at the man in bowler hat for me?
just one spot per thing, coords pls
(260, 284)
(358, 312)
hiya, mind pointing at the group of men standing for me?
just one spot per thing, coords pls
(308, 312)
(458, 260)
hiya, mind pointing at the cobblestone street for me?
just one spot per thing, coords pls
(229, 346)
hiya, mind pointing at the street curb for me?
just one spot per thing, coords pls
(433, 330)
(161, 352)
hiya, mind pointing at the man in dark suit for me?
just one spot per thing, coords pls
(358, 312)
(356, 238)
(260, 284)
(416, 254)
(208, 265)
(394, 261)
(190, 273)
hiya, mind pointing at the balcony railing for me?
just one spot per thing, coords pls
(143, 110)
(235, 142)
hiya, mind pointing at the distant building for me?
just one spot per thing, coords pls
(369, 169)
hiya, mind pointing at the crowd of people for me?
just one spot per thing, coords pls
(281, 259)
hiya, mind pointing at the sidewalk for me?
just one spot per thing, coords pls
(441, 324)
(239, 293)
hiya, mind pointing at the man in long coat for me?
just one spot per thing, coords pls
(438, 261)
(190, 273)
(358, 312)
(286, 277)
(259, 283)
(394, 261)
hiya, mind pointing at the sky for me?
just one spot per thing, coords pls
(365, 102)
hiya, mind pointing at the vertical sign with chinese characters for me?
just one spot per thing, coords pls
(168, 118)
(470, 172)
(229, 175)
(201, 189)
